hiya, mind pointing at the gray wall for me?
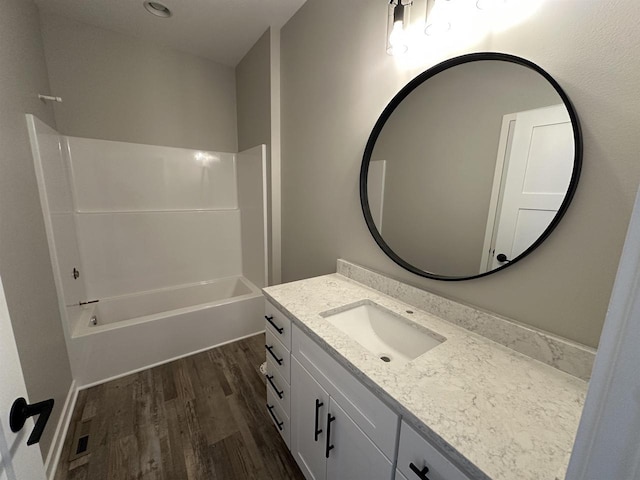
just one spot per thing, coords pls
(25, 265)
(441, 145)
(337, 78)
(117, 87)
(253, 95)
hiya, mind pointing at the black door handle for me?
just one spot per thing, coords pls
(280, 330)
(328, 447)
(270, 349)
(273, 385)
(502, 258)
(317, 431)
(422, 474)
(21, 410)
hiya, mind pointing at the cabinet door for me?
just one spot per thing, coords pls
(353, 456)
(416, 455)
(309, 407)
(371, 414)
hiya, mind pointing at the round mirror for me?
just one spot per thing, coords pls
(471, 166)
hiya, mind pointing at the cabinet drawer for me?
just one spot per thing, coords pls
(371, 414)
(278, 386)
(414, 449)
(278, 324)
(279, 355)
(278, 417)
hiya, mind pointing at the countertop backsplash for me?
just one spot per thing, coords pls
(560, 353)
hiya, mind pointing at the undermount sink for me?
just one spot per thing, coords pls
(391, 337)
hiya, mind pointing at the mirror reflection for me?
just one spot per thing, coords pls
(471, 168)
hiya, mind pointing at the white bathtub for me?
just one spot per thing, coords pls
(137, 331)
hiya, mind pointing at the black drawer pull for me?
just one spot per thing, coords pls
(273, 385)
(279, 329)
(422, 474)
(273, 415)
(270, 349)
(328, 447)
(317, 431)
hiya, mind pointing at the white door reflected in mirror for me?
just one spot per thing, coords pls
(533, 171)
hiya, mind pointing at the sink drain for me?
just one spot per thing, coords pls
(385, 358)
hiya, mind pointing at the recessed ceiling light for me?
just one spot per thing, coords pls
(157, 9)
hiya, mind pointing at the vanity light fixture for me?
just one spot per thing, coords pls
(157, 9)
(435, 22)
(398, 19)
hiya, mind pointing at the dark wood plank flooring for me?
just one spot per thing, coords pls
(199, 418)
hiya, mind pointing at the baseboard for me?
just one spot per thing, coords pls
(146, 367)
(53, 457)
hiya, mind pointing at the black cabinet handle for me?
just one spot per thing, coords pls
(328, 447)
(21, 410)
(270, 320)
(273, 415)
(270, 349)
(422, 474)
(273, 385)
(317, 431)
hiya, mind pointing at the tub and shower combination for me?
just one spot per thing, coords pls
(157, 252)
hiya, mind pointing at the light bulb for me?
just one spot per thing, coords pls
(398, 40)
(397, 36)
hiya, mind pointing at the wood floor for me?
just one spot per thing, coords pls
(201, 417)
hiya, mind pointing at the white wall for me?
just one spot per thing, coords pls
(25, 265)
(117, 87)
(336, 80)
(252, 174)
(150, 217)
(120, 177)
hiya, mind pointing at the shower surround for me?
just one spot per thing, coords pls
(171, 242)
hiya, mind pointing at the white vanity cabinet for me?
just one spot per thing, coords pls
(335, 427)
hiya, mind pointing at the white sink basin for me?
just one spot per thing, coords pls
(391, 337)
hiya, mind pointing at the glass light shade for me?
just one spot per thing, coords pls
(398, 20)
(437, 28)
(490, 4)
(437, 18)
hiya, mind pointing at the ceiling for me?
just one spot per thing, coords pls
(220, 30)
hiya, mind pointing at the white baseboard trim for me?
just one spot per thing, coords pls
(53, 456)
(173, 359)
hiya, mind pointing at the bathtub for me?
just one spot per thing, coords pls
(137, 331)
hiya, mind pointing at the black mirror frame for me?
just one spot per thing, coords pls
(410, 87)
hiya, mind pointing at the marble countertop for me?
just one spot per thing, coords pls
(495, 412)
